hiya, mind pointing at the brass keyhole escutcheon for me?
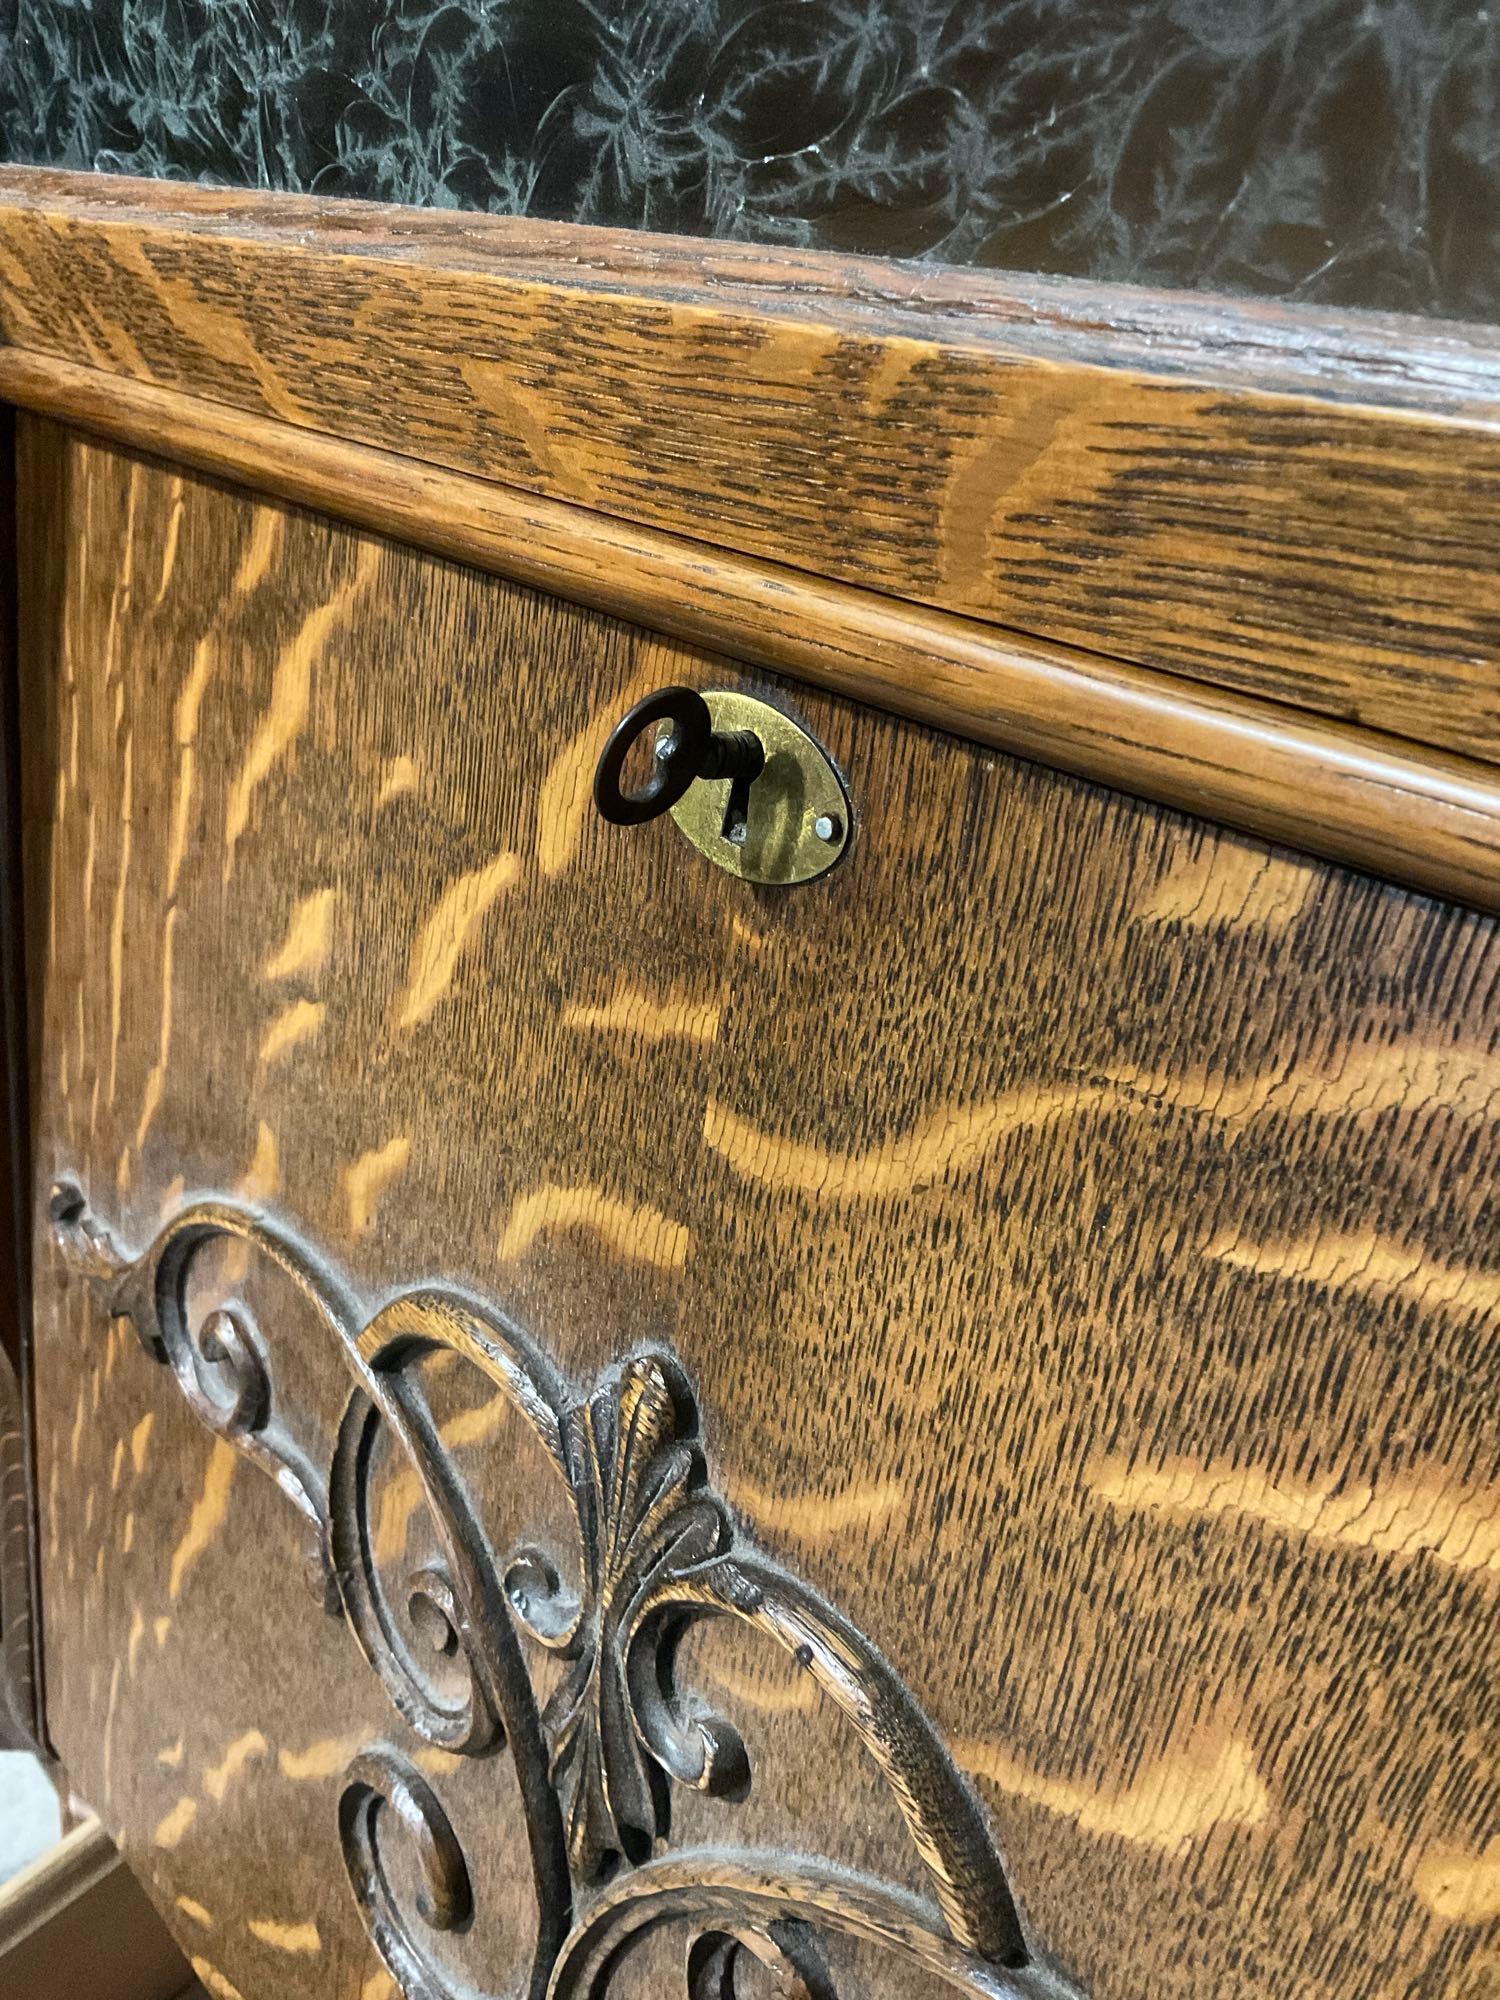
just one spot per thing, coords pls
(748, 786)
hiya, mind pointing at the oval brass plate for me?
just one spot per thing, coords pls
(798, 823)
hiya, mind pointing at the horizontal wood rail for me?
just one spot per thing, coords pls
(1299, 506)
(1351, 795)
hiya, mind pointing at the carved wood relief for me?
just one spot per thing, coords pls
(655, 1550)
(1077, 1224)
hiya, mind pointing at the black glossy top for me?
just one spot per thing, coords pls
(1341, 151)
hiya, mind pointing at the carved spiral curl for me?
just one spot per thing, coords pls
(458, 1605)
(943, 1817)
(655, 1551)
(219, 1364)
(724, 1899)
(785, 1948)
(468, 1725)
(226, 1345)
(381, 1784)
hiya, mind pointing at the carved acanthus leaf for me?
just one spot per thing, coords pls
(654, 1549)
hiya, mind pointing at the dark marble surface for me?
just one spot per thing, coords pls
(1343, 151)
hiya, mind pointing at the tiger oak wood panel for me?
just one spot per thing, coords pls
(1077, 1223)
(1411, 814)
(1304, 507)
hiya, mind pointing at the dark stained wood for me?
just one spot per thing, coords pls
(1417, 816)
(1299, 507)
(654, 1555)
(15, 1166)
(1074, 1221)
(20, 1665)
(20, 1711)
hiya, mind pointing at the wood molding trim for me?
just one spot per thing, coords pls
(1350, 795)
(1298, 506)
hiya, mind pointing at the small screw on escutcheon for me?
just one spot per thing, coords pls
(828, 827)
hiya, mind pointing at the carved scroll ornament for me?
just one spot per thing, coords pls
(653, 1550)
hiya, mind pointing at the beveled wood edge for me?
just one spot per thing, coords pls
(1398, 360)
(1349, 795)
(1297, 506)
(81, 1897)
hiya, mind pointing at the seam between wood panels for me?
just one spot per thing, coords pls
(1351, 795)
(1207, 501)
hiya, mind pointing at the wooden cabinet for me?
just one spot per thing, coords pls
(929, 1431)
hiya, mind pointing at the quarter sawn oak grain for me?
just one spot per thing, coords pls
(1073, 1221)
(1305, 508)
(1418, 816)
